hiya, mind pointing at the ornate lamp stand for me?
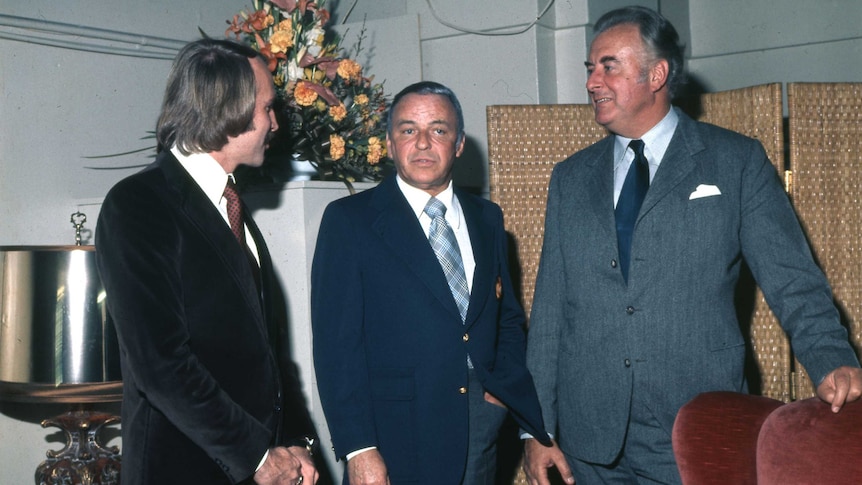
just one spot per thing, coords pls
(84, 460)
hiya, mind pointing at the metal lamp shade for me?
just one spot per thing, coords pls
(55, 342)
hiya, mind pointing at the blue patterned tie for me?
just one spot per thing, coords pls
(445, 246)
(632, 196)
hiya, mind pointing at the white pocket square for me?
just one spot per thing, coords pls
(703, 190)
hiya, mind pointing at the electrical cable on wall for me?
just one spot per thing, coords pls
(479, 32)
(87, 39)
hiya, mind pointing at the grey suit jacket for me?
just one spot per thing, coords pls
(674, 326)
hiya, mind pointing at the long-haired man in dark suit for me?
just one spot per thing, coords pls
(191, 291)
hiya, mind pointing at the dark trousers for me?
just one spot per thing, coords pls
(484, 428)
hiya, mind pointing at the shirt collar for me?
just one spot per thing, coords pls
(418, 199)
(656, 140)
(206, 172)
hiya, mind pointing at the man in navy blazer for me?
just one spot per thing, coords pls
(204, 396)
(412, 391)
(616, 351)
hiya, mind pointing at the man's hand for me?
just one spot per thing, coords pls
(309, 471)
(840, 386)
(280, 468)
(493, 400)
(367, 468)
(538, 458)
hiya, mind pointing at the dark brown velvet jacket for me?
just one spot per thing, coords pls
(204, 392)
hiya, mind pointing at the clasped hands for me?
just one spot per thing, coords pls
(287, 466)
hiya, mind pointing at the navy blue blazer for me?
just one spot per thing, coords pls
(203, 391)
(390, 349)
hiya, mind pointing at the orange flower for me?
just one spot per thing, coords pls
(376, 150)
(323, 15)
(234, 27)
(336, 147)
(349, 69)
(304, 94)
(281, 39)
(361, 99)
(270, 56)
(260, 20)
(338, 112)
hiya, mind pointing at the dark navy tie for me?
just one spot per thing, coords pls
(629, 203)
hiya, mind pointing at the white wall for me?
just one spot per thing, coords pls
(740, 43)
(58, 105)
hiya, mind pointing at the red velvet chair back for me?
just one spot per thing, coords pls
(715, 437)
(804, 442)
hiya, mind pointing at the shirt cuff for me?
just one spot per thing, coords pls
(265, 456)
(361, 450)
(527, 436)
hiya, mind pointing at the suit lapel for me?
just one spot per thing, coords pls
(481, 231)
(202, 215)
(677, 164)
(397, 226)
(599, 187)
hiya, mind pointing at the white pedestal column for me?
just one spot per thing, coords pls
(289, 218)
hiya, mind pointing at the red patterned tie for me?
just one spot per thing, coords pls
(234, 211)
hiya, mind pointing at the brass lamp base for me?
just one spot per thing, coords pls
(83, 461)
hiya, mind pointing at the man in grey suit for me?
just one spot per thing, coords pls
(634, 306)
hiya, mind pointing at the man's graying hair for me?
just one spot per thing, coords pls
(657, 33)
(428, 87)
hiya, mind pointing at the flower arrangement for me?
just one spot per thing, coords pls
(332, 115)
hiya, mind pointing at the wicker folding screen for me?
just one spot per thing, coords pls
(826, 158)
(524, 144)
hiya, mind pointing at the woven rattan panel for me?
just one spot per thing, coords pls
(825, 147)
(756, 112)
(524, 144)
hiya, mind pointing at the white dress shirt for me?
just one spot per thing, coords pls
(418, 199)
(209, 175)
(656, 141)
